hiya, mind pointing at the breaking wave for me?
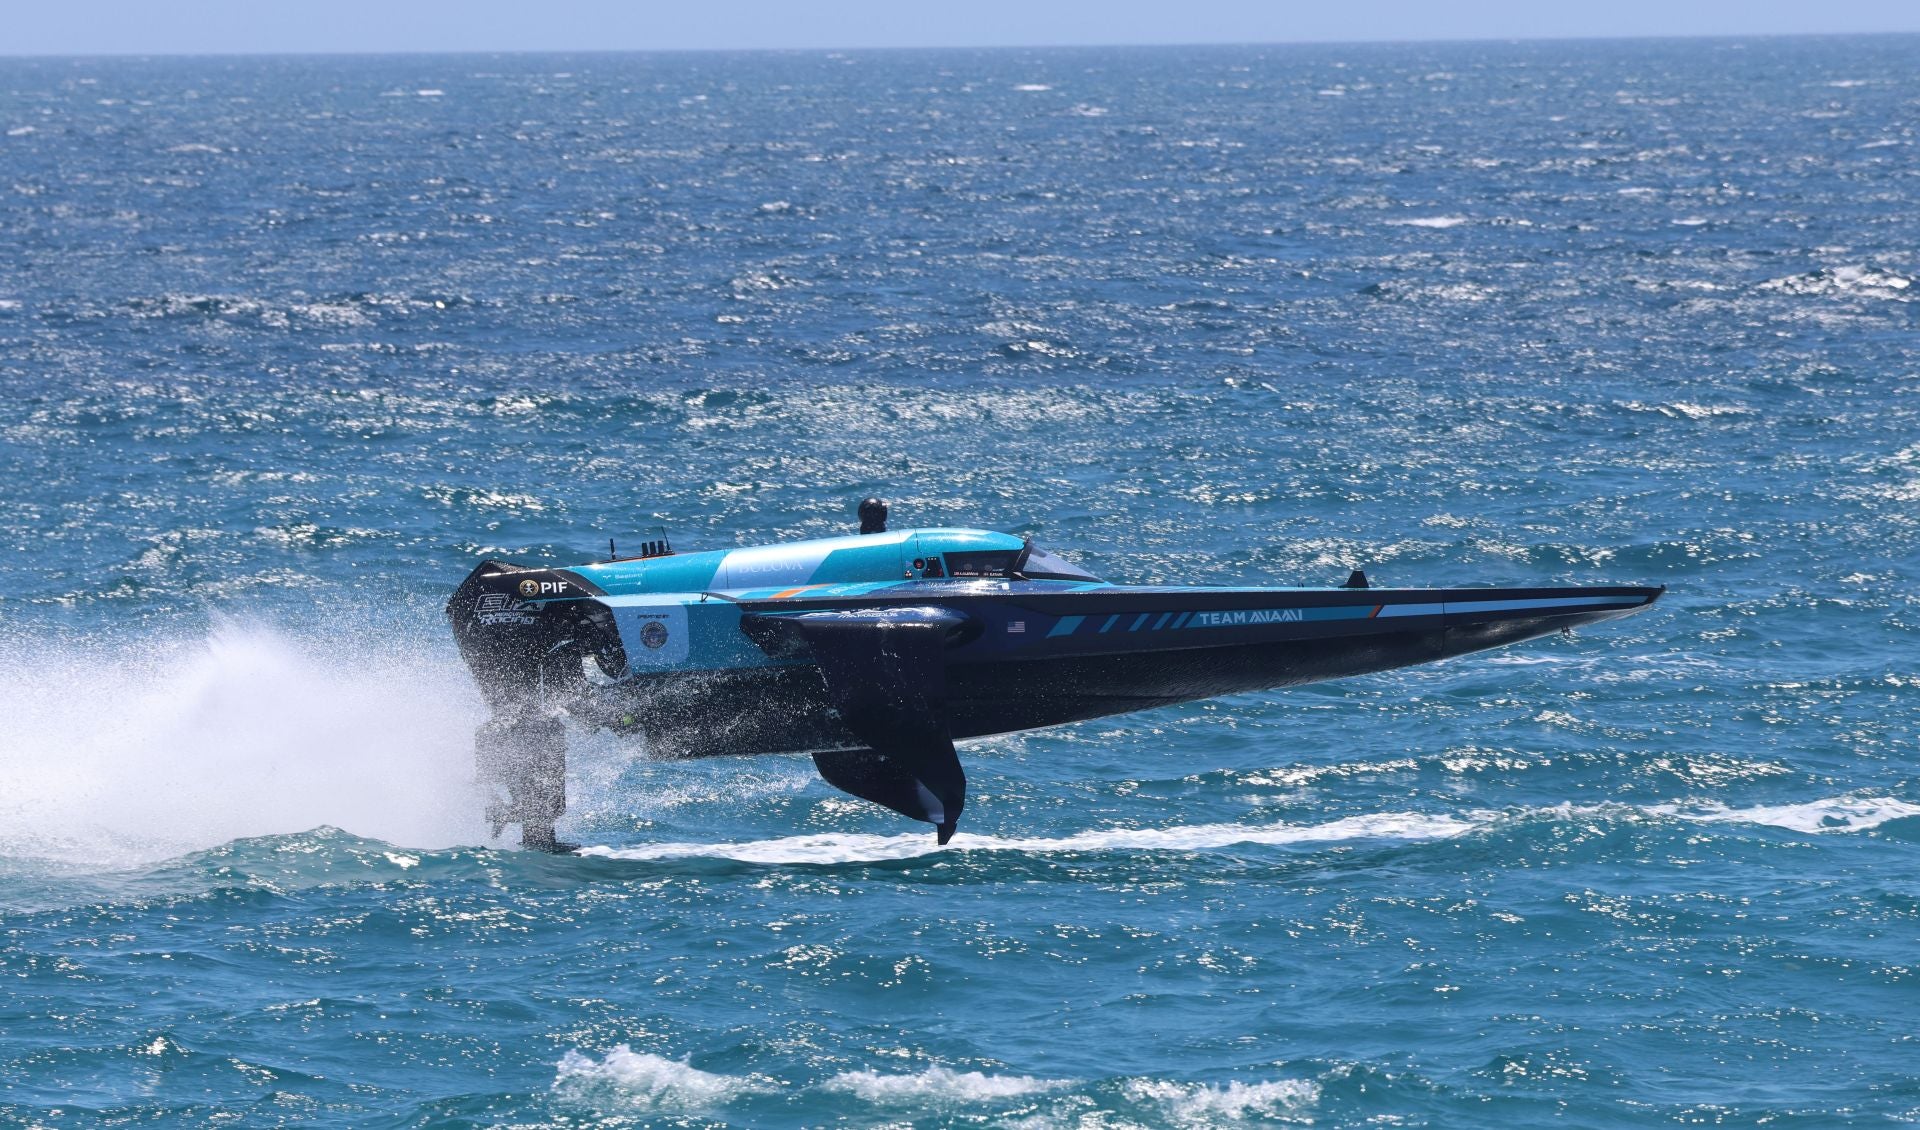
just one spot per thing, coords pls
(641, 1081)
(939, 1084)
(1846, 280)
(1201, 1104)
(626, 1082)
(1838, 814)
(1428, 222)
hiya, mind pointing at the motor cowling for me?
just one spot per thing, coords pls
(523, 633)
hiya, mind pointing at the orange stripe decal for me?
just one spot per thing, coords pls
(793, 592)
(1376, 611)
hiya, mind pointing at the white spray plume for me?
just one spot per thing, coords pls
(114, 755)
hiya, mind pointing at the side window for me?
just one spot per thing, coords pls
(981, 563)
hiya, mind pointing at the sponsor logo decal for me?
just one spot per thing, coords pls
(532, 588)
(497, 608)
(656, 635)
(1245, 616)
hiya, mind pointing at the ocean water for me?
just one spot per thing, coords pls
(288, 344)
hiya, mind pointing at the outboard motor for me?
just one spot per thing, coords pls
(525, 634)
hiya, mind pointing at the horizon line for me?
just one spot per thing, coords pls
(829, 50)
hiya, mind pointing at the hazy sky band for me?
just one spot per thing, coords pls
(89, 27)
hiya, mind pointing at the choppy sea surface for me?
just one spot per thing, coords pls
(287, 345)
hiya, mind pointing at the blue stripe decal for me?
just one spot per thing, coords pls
(1246, 617)
(1412, 610)
(1566, 602)
(1249, 617)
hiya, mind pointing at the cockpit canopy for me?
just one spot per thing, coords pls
(914, 555)
(1029, 562)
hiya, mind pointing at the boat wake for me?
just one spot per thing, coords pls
(1837, 814)
(119, 757)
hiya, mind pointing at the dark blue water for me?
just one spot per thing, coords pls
(286, 345)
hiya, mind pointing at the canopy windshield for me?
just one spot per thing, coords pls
(1039, 565)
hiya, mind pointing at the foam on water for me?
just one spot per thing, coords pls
(627, 1080)
(939, 1084)
(1836, 814)
(855, 848)
(1202, 1104)
(1429, 222)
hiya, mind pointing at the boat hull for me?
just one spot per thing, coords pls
(876, 677)
(1045, 657)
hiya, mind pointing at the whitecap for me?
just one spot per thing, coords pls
(1202, 1104)
(1429, 222)
(939, 1084)
(1690, 411)
(1835, 814)
(1851, 279)
(1032, 87)
(1708, 411)
(642, 1081)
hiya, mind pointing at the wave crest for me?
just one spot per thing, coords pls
(642, 1081)
(941, 1084)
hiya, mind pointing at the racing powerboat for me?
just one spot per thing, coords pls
(875, 652)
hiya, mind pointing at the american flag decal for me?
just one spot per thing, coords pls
(1016, 626)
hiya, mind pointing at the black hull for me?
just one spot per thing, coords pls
(786, 709)
(877, 683)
